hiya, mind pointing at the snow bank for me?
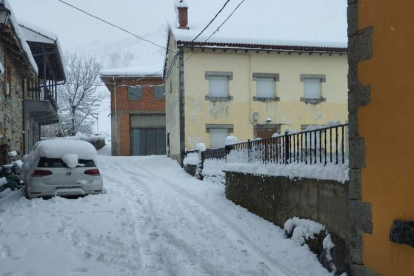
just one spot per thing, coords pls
(302, 229)
(331, 171)
(231, 140)
(3, 181)
(12, 153)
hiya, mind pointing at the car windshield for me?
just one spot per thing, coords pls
(58, 163)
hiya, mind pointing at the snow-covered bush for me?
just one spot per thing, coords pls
(319, 240)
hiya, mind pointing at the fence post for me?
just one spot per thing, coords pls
(201, 166)
(287, 148)
(228, 148)
(249, 151)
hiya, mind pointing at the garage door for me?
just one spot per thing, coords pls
(145, 141)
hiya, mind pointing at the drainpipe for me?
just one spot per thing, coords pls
(24, 116)
(116, 119)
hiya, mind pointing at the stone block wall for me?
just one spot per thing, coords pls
(278, 199)
(11, 108)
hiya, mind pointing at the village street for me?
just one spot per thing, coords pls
(153, 220)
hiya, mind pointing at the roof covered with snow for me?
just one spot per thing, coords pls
(318, 23)
(15, 23)
(37, 34)
(137, 71)
(43, 41)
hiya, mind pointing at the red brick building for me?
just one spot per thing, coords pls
(137, 112)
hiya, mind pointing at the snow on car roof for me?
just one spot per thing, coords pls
(57, 148)
(319, 23)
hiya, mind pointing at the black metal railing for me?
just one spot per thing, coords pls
(320, 145)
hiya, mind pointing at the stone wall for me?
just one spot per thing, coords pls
(278, 199)
(11, 108)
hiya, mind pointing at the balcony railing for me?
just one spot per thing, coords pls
(37, 91)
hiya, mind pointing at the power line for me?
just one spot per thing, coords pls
(212, 20)
(224, 22)
(113, 25)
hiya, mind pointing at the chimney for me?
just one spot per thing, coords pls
(182, 8)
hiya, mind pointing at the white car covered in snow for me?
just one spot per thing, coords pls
(61, 167)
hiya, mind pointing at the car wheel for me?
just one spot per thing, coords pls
(26, 192)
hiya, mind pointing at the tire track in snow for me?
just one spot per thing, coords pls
(137, 200)
(219, 219)
(172, 265)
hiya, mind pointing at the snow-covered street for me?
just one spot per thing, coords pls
(153, 220)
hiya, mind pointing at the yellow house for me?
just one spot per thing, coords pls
(229, 86)
(381, 190)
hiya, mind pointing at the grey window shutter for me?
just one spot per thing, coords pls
(159, 92)
(135, 92)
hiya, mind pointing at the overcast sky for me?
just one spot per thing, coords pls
(294, 20)
(85, 35)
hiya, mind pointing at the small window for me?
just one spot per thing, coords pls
(312, 88)
(218, 138)
(134, 92)
(266, 87)
(219, 87)
(159, 92)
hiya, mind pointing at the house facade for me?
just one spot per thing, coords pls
(30, 70)
(17, 67)
(216, 89)
(381, 68)
(137, 111)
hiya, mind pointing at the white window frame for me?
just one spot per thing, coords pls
(214, 75)
(212, 128)
(261, 77)
(315, 78)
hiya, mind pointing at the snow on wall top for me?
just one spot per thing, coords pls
(180, 4)
(138, 71)
(21, 36)
(319, 23)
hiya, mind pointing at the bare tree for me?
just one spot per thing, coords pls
(78, 99)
